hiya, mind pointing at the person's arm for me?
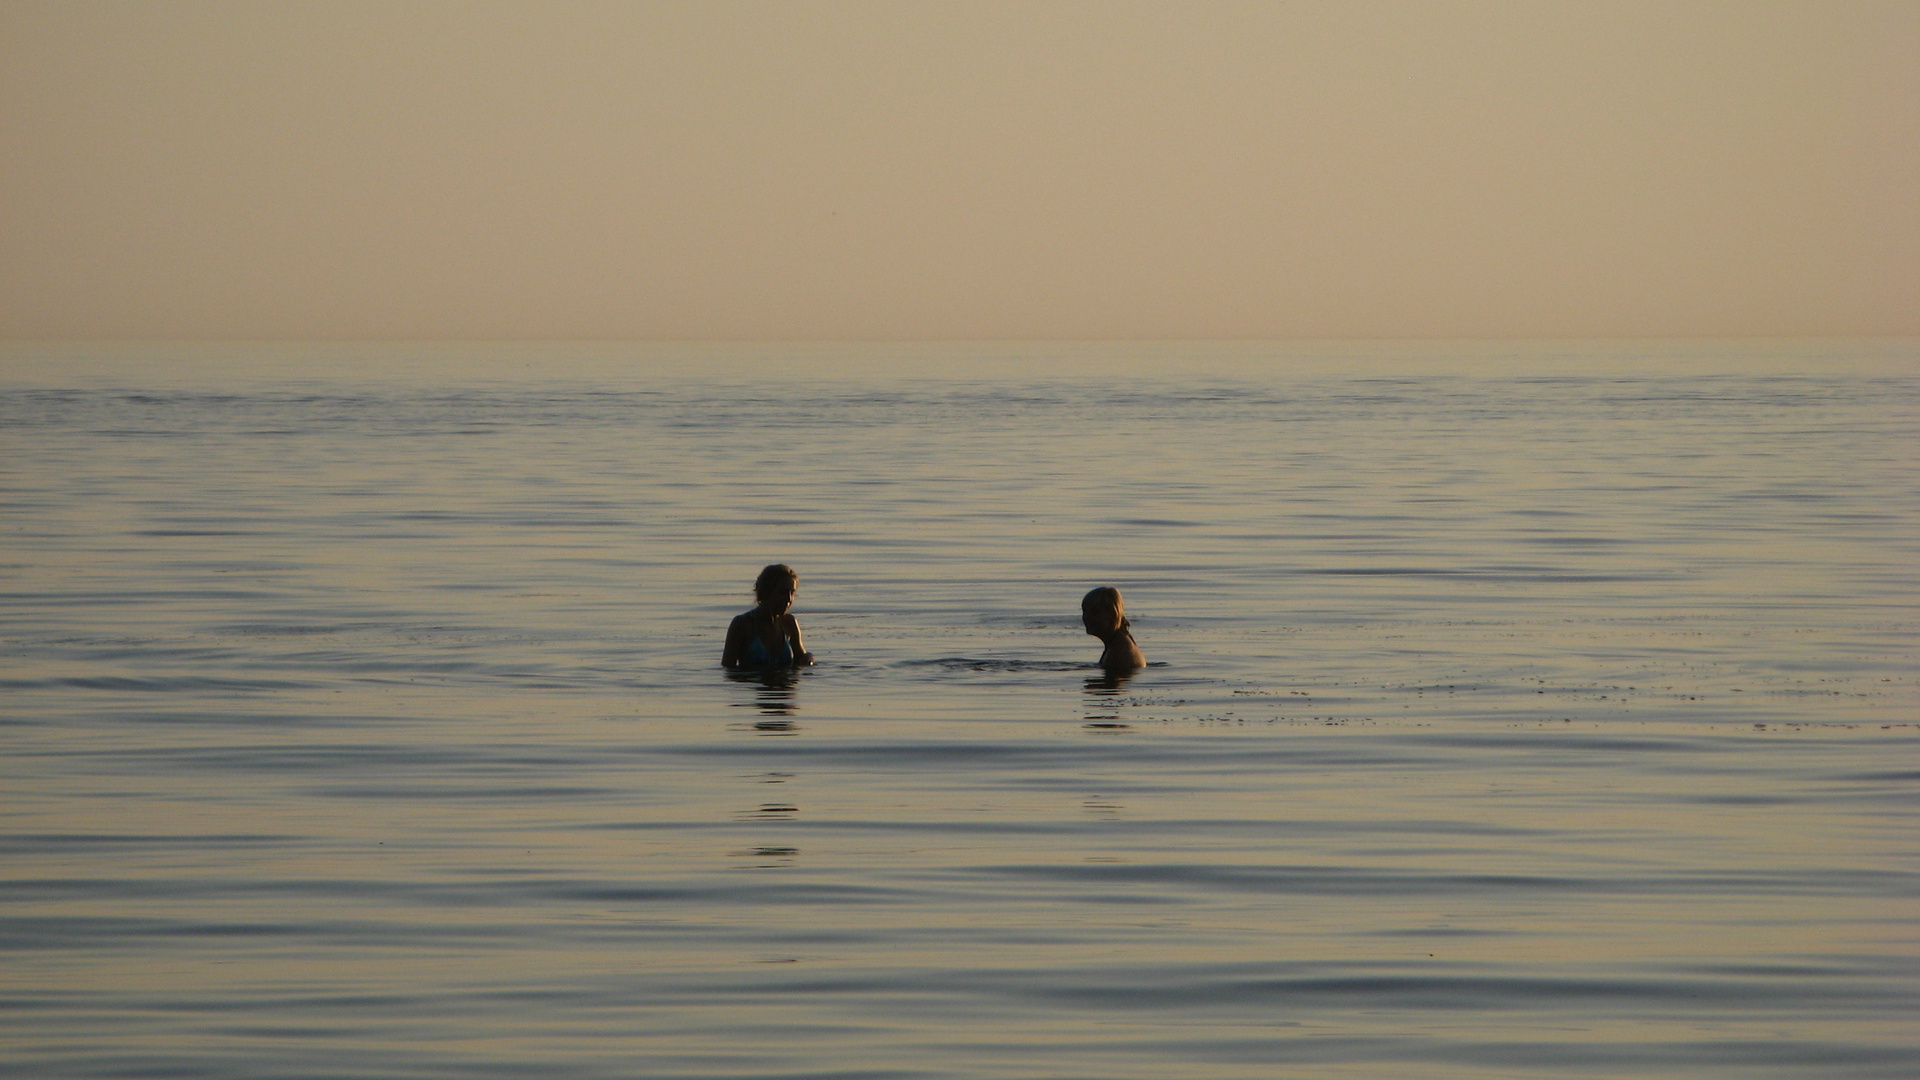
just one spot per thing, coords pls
(738, 634)
(800, 653)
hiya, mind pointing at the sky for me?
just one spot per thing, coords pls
(958, 170)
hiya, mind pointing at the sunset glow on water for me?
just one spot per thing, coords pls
(364, 718)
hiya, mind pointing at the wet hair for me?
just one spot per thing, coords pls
(774, 577)
(1104, 599)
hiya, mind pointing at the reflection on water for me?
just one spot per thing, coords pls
(1498, 728)
(1103, 692)
(767, 857)
(778, 811)
(775, 694)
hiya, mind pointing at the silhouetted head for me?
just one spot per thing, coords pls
(775, 586)
(1103, 612)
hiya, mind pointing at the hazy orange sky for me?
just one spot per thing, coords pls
(956, 170)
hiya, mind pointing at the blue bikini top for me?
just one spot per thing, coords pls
(756, 653)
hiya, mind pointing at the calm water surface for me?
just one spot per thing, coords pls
(363, 719)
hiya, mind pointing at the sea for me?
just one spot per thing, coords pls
(1514, 709)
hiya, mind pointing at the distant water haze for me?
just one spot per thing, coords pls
(846, 170)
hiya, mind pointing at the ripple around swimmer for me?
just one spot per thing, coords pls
(973, 664)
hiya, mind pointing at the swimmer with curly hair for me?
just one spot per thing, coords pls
(769, 635)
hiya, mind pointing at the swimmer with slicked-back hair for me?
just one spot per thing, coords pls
(769, 635)
(1105, 616)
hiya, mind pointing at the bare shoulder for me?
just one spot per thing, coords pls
(739, 631)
